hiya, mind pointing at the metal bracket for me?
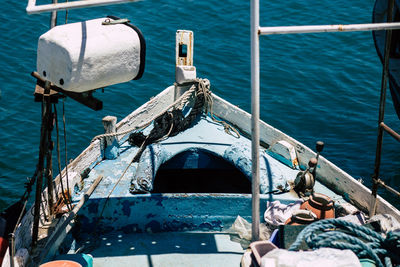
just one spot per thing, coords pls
(85, 98)
(185, 72)
(113, 22)
(184, 48)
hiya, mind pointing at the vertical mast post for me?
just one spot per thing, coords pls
(40, 166)
(44, 152)
(255, 116)
(49, 168)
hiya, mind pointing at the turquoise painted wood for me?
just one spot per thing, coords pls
(174, 229)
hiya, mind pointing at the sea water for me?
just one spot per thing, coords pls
(313, 86)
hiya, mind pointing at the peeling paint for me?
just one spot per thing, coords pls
(153, 227)
(93, 207)
(126, 208)
(150, 215)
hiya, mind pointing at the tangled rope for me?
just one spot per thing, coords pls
(364, 242)
(201, 91)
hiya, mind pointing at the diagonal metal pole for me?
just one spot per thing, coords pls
(255, 116)
(382, 101)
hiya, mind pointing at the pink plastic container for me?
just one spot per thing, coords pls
(260, 248)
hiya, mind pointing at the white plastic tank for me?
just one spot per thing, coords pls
(92, 54)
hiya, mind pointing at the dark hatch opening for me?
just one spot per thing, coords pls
(198, 171)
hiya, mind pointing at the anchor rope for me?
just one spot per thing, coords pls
(364, 242)
(209, 107)
(141, 126)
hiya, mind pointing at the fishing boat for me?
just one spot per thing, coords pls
(178, 180)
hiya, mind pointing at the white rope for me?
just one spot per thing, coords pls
(229, 129)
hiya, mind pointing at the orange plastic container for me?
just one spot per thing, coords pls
(301, 217)
(321, 205)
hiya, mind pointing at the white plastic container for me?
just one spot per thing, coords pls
(87, 55)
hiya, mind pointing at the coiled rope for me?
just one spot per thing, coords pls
(200, 89)
(340, 234)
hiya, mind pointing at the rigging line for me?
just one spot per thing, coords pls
(59, 159)
(134, 159)
(66, 155)
(49, 162)
(204, 88)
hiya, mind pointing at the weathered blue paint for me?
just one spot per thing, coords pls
(137, 215)
(153, 227)
(112, 151)
(152, 158)
(273, 174)
(203, 139)
(93, 208)
(131, 228)
(126, 208)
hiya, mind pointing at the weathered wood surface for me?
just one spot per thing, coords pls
(87, 159)
(65, 224)
(147, 111)
(328, 173)
(110, 126)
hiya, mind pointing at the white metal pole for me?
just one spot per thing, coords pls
(32, 8)
(329, 28)
(255, 116)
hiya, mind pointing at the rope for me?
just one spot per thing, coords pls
(363, 241)
(134, 159)
(64, 197)
(182, 98)
(202, 91)
(66, 157)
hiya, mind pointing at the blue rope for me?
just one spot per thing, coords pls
(364, 242)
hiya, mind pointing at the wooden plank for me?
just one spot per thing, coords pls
(65, 224)
(86, 98)
(39, 94)
(109, 124)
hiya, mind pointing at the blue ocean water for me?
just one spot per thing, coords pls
(313, 87)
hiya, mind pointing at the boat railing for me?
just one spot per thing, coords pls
(33, 8)
(256, 31)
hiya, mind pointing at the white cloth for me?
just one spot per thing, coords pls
(278, 213)
(387, 221)
(326, 257)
